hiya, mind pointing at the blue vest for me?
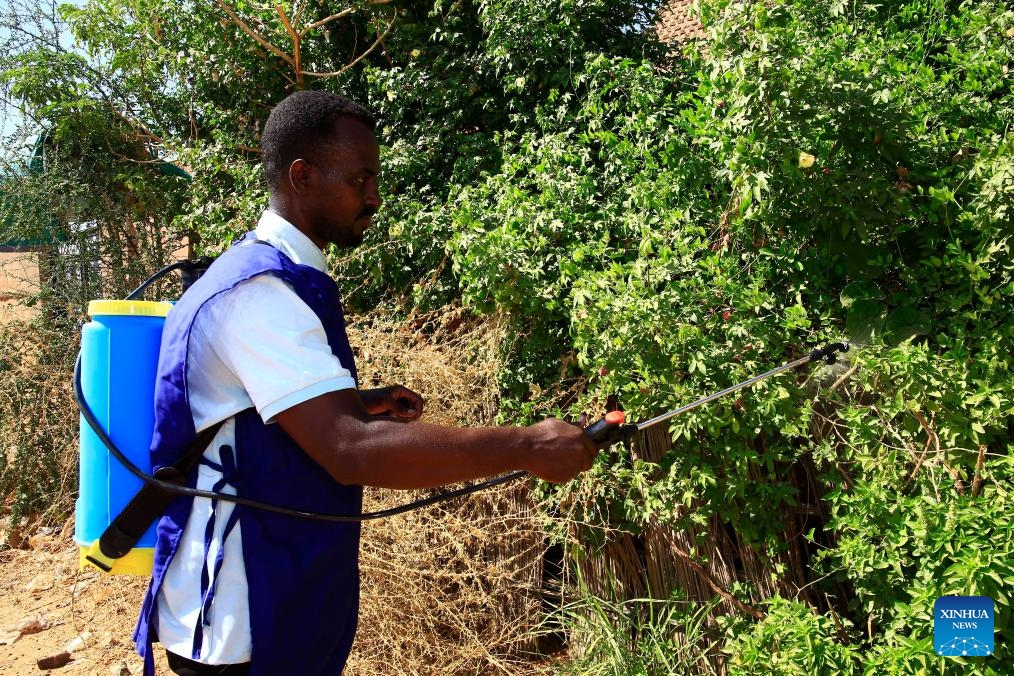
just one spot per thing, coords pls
(303, 575)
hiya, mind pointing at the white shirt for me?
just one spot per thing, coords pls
(258, 345)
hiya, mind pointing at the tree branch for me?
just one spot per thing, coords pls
(387, 29)
(845, 376)
(295, 60)
(932, 439)
(296, 37)
(252, 33)
(333, 17)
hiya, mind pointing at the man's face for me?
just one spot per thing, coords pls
(344, 195)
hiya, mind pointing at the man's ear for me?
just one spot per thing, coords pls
(301, 176)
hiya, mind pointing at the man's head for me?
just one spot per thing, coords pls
(321, 162)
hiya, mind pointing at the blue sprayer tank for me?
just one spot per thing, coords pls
(119, 357)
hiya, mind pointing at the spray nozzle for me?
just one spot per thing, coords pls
(828, 352)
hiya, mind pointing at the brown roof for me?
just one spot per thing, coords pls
(677, 23)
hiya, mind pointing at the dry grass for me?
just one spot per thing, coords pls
(38, 420)
(454, 588)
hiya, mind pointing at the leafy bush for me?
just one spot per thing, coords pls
(792, 639)
(823, 169)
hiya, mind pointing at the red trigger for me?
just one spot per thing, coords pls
(616, 417)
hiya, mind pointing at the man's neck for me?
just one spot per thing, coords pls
(282, 207)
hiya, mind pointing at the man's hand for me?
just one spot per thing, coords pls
(397, 401)
(561, 451)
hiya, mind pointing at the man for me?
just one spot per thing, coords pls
(259, 343)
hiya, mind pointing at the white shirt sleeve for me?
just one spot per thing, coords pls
(265, 341)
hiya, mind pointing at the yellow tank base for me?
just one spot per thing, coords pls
(138, 561)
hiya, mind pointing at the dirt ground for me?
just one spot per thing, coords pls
(49, 607)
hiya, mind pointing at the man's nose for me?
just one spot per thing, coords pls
(372, 196)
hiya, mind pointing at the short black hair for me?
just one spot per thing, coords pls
(301, 125)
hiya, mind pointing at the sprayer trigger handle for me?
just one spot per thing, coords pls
(610, 429)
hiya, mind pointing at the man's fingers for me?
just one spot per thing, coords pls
(406, 407)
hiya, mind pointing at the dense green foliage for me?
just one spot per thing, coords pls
(663, 226)
(823, 170)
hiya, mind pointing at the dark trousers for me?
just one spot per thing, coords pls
(185, 667)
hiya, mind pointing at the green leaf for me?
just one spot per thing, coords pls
(907, 322)
(859, 290)
(865, 320)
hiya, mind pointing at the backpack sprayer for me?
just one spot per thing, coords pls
(114, 385)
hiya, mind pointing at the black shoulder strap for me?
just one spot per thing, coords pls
(151, 501)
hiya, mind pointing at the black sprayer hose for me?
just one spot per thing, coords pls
(603, 433)
(136, 293)
(190, 270)
(609, 434)
(93, 422)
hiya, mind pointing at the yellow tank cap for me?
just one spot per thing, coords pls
(137, 308)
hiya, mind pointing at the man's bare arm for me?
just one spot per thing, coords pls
(357, 448)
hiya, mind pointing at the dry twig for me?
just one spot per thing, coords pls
(979, 464)
(931, 439)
